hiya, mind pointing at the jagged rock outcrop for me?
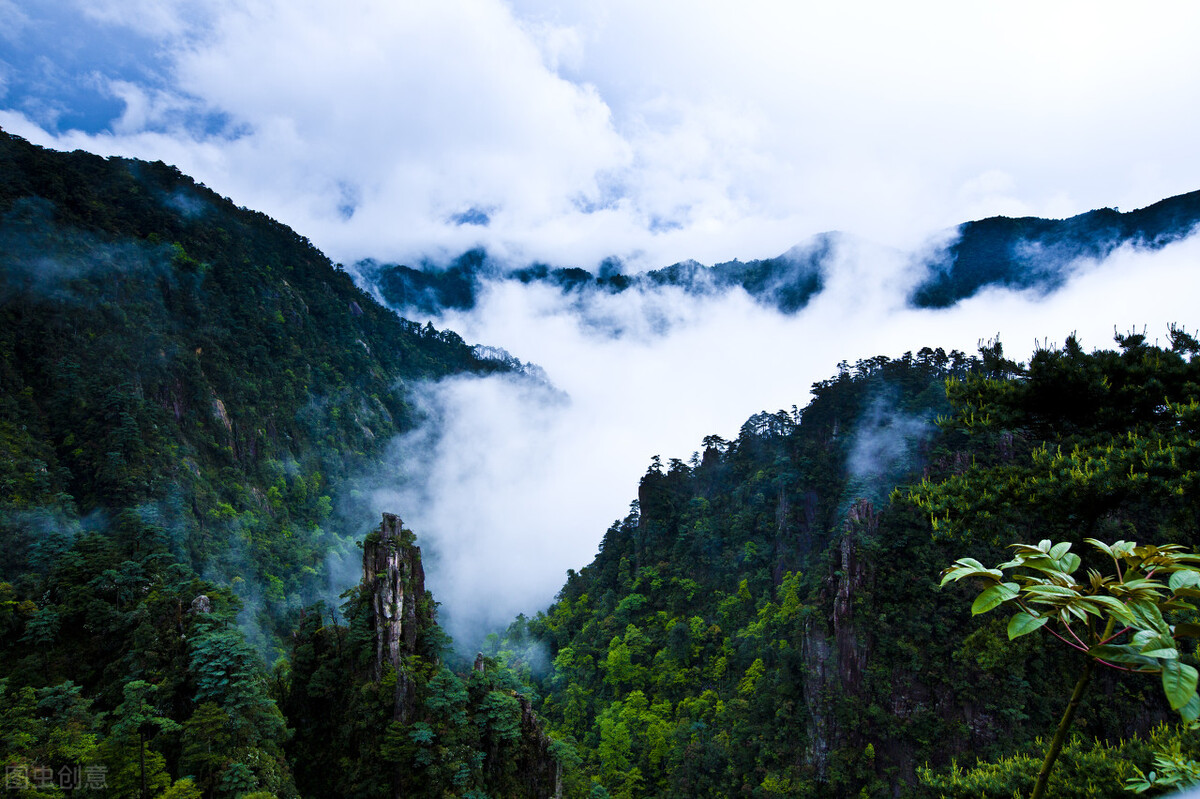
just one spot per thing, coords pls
(395, 580)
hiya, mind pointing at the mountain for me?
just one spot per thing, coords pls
(1033, 253)
(786, 282)
(768, 621)
(1024, 253)
(189, 393)
(169, 353)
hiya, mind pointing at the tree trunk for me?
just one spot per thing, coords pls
(1060, 735)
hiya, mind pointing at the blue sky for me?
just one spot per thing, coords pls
(653, 132)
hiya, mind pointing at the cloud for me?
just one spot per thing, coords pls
(655, 133)
(512, 483)
(884, 449)
(12, 20)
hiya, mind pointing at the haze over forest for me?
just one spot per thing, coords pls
(688, 341)
(609, 131)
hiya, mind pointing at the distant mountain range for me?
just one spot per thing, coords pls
(1017, 253)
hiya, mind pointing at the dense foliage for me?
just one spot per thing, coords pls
(186, 391)
(767, 619)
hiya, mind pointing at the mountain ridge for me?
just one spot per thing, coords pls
(1007, 252)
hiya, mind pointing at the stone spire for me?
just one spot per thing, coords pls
(393, 576)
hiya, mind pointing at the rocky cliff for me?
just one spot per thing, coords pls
(395, 581)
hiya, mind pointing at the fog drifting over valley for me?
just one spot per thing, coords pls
(512, 482)
(655, 133)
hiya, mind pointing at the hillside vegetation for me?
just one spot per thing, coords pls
(186, 387)
(767, 621)
(190, 394)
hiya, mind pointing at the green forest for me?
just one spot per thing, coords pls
(886, 593)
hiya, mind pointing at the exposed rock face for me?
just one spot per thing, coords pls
(852, 655)
(393, 575)
(835, 658)
(815, 650)
(537, 767)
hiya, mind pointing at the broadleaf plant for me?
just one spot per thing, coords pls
(1118, 620)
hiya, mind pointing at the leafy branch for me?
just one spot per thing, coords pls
(1090, 616)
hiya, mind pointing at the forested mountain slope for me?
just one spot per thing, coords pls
(767, 620)
(1035, 253)
(186, 390)
(167, 353)
(1014, 253)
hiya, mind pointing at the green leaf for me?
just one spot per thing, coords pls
(1148, 617)
(1122, 549)
(1057, 590)
(1187, 630)
(1069, 562)
(969, 567)
(1143, 584)
(1114, 606)
(1161, 647)
(1184, 578)
(1191, 711)
(1100, 545)
(1024, 623)
(1122, 653)
(1179, 683)
(1042, 563)
(990, 598)
(1081, 609)
(1058, 550)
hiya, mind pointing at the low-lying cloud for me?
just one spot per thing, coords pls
(511, 482)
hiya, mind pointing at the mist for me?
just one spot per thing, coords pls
(511, 481)
(567, 134)
(884, 448)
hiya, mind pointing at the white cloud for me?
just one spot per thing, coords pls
(427, 109)
(12, 20)
(671, 130)
(520, 485)
(156, 18)
(144, 109)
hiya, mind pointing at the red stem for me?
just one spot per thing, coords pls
(1073, 635)
(1065, 641)
(1114, 635)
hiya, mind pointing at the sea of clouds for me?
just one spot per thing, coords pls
(512, 481)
